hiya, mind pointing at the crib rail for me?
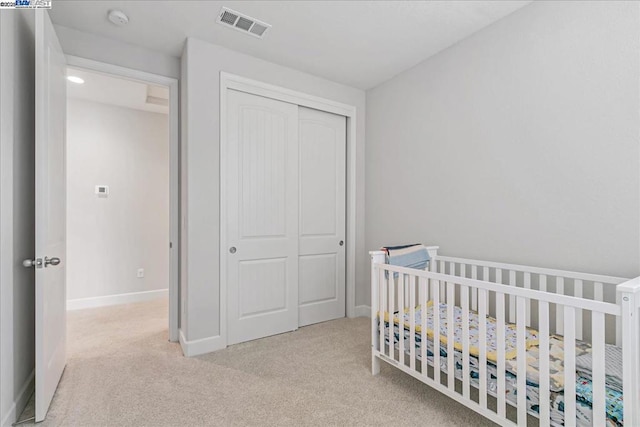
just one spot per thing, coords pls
(403, 290)
(581, 285)
(598, 278)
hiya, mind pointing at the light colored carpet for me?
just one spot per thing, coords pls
(121, 371)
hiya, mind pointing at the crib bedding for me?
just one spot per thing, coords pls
(474, 331)
(583, 385)
(556, 343)
(613, 366)
(583, 410)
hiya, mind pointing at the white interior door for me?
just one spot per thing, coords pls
(321, 286)
(50, 295)
(262, 213)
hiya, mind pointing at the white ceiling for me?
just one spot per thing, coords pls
(358, 43)
(117, 91)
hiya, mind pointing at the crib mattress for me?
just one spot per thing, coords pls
(583, 386)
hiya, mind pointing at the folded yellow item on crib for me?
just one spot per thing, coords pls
(511, 338)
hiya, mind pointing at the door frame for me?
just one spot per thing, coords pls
(174, 171)
(231, 81)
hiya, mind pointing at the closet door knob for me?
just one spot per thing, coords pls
(341, 242)
(232, 249)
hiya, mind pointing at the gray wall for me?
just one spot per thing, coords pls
(202, 63)
(17, 204)
(518, 144)
(109, 238)
(98, 48)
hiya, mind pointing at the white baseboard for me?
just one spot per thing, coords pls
(201, 346)
(80, 303)
(363, 311)
(20, 401)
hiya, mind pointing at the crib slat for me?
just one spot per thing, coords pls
(464, 301)
(569, 366)
(598, 291)
(577, 288)
(474, 291)
(436, 331)
(500, 324)
(391, 309)
(412, 322)
(485, 274)
(451, 328)
(423, 291)
(382, 307)
(402, 281)
(559, 317)
(577, 291)
(542, 283)
(598, 374)
(406, 292)
(442, 288)
(521, 361)
(423, 326)
(482, 334)
(512, 298)
(527, 285)
(463, 271)
(618, 321)
(543, 330)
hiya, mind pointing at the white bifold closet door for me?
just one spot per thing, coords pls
(285, 209)
(262, 212)
(321, 286)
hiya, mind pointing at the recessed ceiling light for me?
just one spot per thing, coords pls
(75, 79)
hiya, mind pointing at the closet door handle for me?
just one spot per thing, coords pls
(341, 242)
(51, 261)
(232, 249)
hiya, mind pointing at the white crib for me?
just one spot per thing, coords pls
(578, 307)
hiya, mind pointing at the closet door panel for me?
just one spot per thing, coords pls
(262, 211)
(322, 146)
(322, 271)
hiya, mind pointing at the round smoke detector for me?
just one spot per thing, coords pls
(118, 17)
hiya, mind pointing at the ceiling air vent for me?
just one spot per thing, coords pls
(246, 24)
(228, 17)
(258, 29)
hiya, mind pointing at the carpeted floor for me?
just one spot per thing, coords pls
(121, 371)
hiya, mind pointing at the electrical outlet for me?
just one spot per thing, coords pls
(140, 273)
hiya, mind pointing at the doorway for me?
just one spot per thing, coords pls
(122, 191)
(50, 258)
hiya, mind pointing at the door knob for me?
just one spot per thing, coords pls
(51, 261)
(341, 242)
(232, 249)
(29, 263)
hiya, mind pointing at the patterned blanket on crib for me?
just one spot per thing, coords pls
(474, 331)
(584, 387)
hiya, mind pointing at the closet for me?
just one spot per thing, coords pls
(285, 209)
